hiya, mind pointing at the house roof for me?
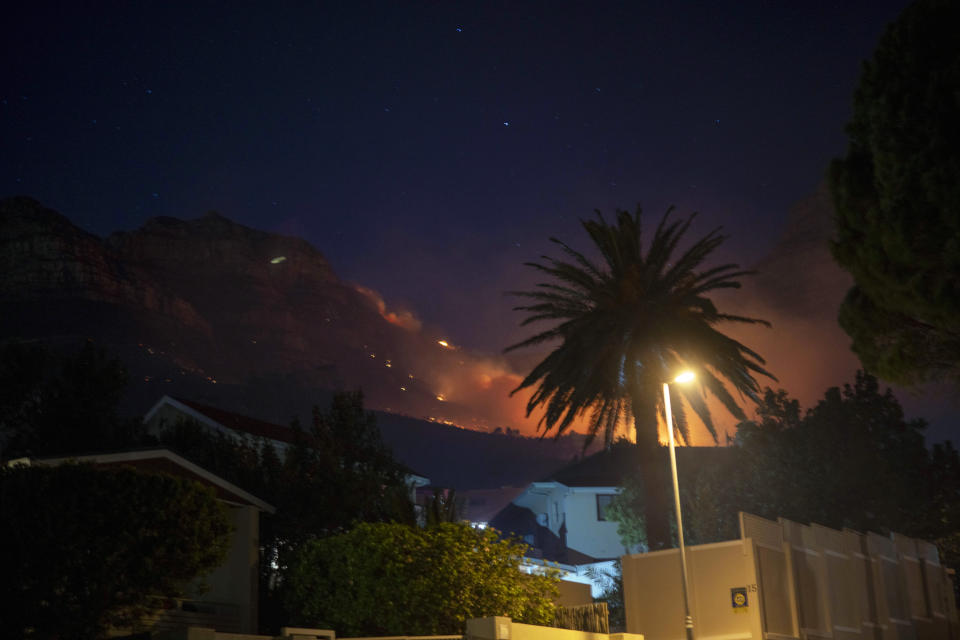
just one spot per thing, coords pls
(481, 505)
(609, 467)
(215, 417)
(522, 522)
(228, 419)
(166, 461)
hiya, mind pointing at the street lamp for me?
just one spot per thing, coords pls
(686, 376)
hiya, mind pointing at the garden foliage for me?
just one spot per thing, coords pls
(83, 548)
(897, 200)
(393, 579)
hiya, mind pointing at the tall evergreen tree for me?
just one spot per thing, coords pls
(897, 200)
(59, 403)
(625, 325)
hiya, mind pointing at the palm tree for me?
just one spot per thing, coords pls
(626, 325)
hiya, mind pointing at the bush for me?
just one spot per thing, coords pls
(393, 579)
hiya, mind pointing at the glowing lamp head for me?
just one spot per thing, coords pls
(686, 376)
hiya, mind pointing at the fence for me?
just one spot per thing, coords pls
(588, 617)
(784, 580)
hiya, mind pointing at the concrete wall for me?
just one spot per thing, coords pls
(501, 628)
(654, 598)
(235, 581)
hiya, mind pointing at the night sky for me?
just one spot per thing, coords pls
(429, 149)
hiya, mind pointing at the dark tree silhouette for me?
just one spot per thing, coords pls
(625, 326)
(85, 548)
(897, 199)
(443, 506)
(57, 403)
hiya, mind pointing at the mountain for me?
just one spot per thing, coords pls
(251, 321)
(206, 297)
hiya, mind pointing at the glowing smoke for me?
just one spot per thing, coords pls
(400, 317)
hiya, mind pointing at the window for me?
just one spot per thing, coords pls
(603, 501)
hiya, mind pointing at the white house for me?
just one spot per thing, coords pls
(563, 517)
(168, 411)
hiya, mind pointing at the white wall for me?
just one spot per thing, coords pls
(534, 499)
(577, 506)
(165, 417)
(585, 532)
(235, 582)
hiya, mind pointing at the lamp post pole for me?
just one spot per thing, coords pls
(688, 619)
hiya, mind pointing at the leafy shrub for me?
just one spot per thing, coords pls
(393, 579)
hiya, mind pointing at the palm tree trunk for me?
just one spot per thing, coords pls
(653, 472)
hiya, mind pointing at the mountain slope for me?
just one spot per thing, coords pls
(207, 297)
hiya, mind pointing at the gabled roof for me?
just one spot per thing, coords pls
(206, 414)
(609, 467)
(223, 419)
(166, 461)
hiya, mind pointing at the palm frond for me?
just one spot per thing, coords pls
(693, 394)
(744, 319)
(680, 420)
(588, 266)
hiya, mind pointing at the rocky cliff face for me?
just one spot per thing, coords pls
(271, 300)
(205, 297)
(43, 256)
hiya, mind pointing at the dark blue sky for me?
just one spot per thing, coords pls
(428, 149)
